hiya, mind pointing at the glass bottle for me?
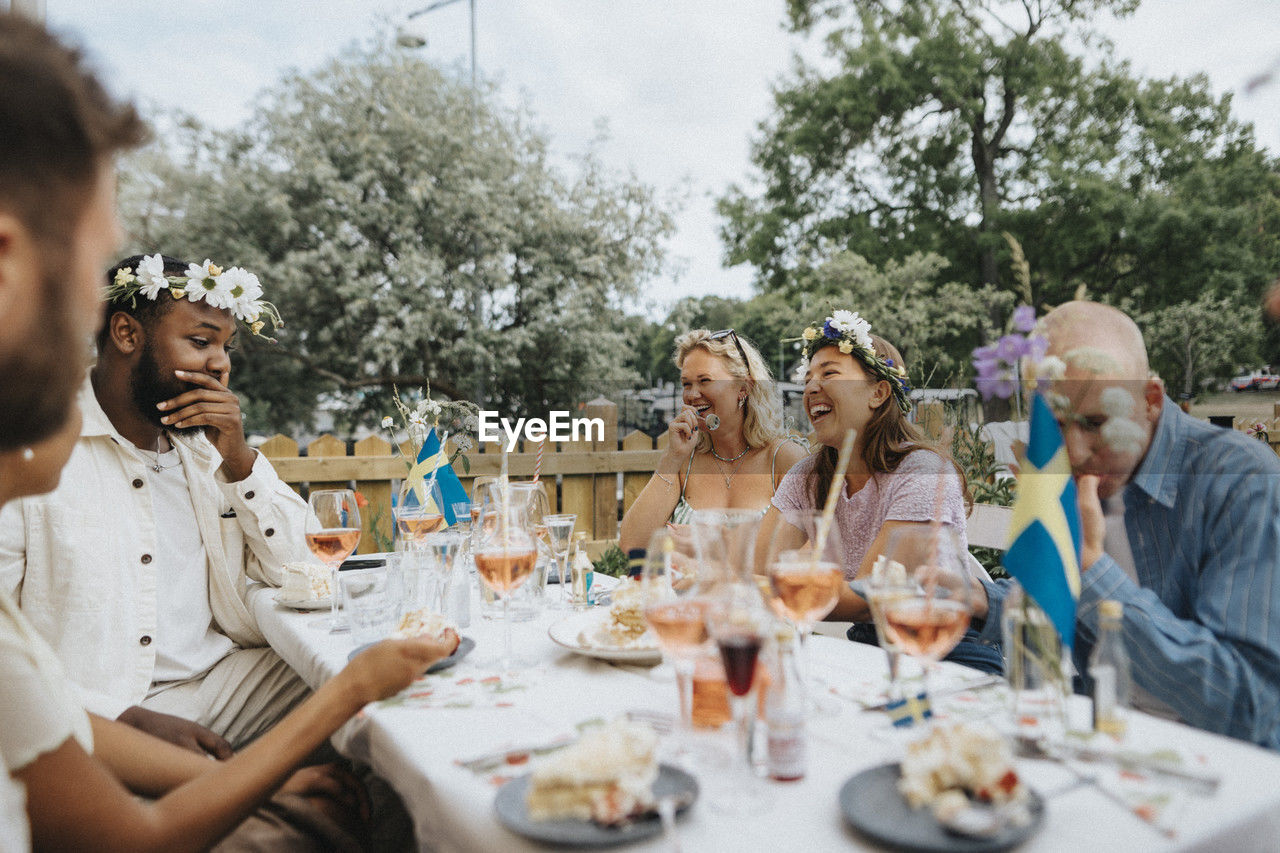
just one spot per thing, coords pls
(582, 572)
(785, 714)
(1109, 670)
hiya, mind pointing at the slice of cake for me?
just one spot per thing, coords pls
(607, 776)
(305, 582)
(625, 626)
(424, 622)
(966, 759)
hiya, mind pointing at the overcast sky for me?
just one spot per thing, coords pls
(681, 85)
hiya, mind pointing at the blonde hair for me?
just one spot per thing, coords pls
(762, 417)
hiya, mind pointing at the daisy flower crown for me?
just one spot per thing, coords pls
(234, 289)
(851, 334)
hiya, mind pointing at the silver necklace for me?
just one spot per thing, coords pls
(728, 478)
(156, 466)
(734, 459)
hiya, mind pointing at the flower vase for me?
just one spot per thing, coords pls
(1036, 666)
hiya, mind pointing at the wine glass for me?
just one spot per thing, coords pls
(676, 613)
(887, 582)
(931, 617)
(805, 578)
(533, 497)
(419, 509)
(739, 623)
(333, 532)
(559, 536)
(505, 556)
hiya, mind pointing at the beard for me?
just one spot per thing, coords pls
(41, 371)
(148, 385)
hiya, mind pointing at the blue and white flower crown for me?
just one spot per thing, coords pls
(851, 334)
(234, 289)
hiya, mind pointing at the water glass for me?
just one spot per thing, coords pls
(368, 599)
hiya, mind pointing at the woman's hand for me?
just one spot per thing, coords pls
(683, 433)
(392, 665)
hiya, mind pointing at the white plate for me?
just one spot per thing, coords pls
(565, 633)
(303, 603)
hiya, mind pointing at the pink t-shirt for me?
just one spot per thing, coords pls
(908, 494)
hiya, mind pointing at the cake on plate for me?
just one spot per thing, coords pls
(305, 582)
(624, 626)
(606, 776)
(424, 622)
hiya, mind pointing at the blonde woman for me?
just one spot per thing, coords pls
(726, 447)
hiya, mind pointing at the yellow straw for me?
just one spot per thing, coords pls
(833, 495)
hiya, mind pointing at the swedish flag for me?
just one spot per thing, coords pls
(1044, 535)
(433, 458)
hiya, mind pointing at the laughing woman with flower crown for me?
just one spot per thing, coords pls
(726, 447)
(857, 380)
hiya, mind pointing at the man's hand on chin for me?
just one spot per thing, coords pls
(1093, 526)
(214, 407)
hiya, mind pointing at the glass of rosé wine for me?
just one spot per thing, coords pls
(676, 614)
(333, 532)
(928, 622)
(505, 553)
(804, 585)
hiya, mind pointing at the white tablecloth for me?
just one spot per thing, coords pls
(414, 746)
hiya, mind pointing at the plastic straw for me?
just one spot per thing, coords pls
(537, 463)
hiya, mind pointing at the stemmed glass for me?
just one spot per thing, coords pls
(333, 532)
(739, 623)
(887, 582)
(930, 618)
(805, 580)
(419, 509)
(676, 613)
(505, 555)
(559, 536)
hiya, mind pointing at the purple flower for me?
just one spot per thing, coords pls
(1037, 346)
(1010, 348)
(830, 331)
(1024, 318)
(984, 354)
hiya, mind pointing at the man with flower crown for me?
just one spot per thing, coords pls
(163, 516)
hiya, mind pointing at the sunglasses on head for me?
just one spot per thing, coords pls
(730, 333)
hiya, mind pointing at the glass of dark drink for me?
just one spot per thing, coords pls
(738, 622)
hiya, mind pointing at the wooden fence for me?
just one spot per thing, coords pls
(580, 477)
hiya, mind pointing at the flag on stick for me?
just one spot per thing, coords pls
(1044, 535)
(432, 457)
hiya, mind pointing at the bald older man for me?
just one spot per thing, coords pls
(1181, 524)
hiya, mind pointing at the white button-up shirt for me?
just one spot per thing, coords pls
(79, 560)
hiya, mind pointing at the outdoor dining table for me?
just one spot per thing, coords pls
(415, 741)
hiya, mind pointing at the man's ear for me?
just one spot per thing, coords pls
(125, 333)
(19, 265)
(1153, 397)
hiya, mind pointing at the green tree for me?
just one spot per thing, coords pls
(371, 197)
(1191, 342)
(934, 125)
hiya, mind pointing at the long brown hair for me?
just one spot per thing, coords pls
(888, 439)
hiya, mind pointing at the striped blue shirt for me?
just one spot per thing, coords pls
(1202, 626)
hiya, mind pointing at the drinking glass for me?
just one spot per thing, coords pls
(559, 536)
(738, 623)
(805, 580)
(369, 601)
(440, 551)
(676, 613)
(887, 582)
(333, 532)
(505, 557)
(527, 602)
(418, 508)
(929, 619)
